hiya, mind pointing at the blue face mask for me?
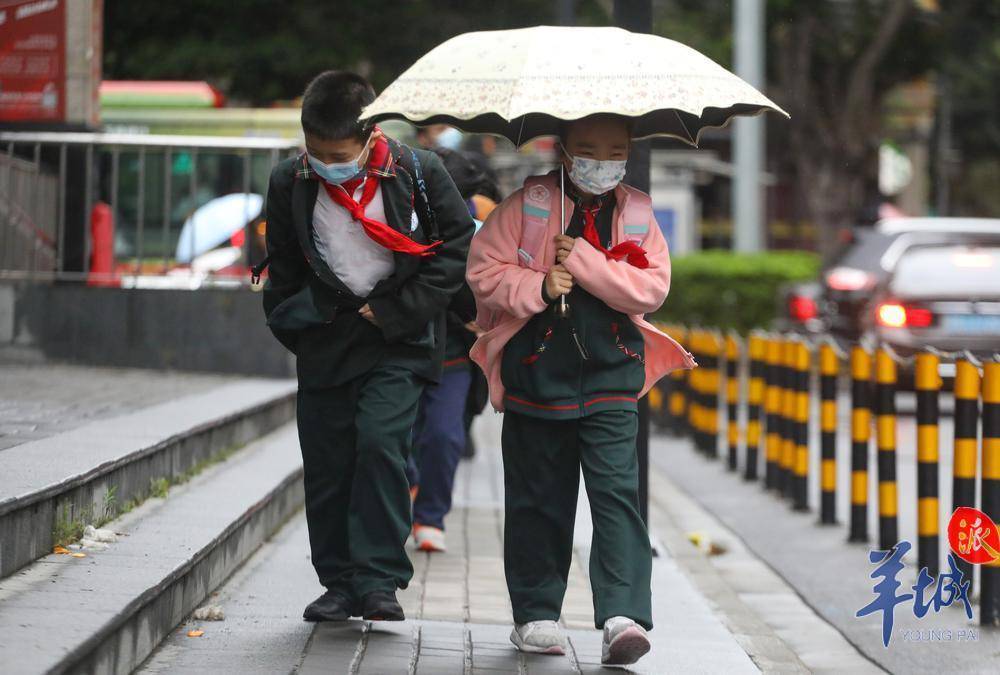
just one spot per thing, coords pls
(337, 172)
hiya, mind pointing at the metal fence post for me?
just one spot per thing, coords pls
(885, 425)
(989, 614)
(732, 400)
(861, 372)
(801, 436)
(966, 431)
(928, 385)
(829, 367)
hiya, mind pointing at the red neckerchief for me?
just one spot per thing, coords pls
(629, 250)
(380, 233)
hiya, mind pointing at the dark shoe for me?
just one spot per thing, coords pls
(381, 606)
(331, 606)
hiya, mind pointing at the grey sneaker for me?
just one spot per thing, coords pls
(625, 642)
(539, 637)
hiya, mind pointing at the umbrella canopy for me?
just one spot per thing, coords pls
(215, 222)
(522, 83)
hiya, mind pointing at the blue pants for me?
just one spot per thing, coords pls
(440, 440)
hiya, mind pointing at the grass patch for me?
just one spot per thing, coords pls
(70, 522)
(159, 487)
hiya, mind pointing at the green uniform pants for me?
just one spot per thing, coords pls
(355, 439)
(542, 460)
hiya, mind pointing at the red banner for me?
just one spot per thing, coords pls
(32, 60)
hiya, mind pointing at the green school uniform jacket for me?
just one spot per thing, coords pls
(314, 314)
(589, 362)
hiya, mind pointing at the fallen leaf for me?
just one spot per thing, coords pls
(60, 550)
(79, 555)
(195, 633)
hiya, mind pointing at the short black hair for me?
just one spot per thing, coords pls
(332, 103)
(564, 125)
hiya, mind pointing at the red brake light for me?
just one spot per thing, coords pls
(919, 317)
(238, 238)
(802, 308)
(894, 315)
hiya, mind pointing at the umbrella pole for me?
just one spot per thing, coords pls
(563, 310)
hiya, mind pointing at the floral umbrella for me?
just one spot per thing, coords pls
(523, 83)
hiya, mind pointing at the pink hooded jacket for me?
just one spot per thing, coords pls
(508, 289)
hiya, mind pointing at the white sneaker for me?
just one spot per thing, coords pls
(430, 539)
(625, 642)
(539, 637)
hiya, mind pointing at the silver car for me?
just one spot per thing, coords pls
(943, 294)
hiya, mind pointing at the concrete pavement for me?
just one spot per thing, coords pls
(37, 401)
(459, 615)
(829, 575)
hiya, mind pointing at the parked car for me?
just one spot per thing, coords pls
(944, 295)
(838, 301)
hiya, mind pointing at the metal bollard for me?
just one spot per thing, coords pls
(861, 373)
(772, 406)
(928, 386)
(732, 399)
(788, 396)
(828, 369)
(755, 398)
(710, 396)
(989, 614)
(966, 430)
(885, 427)
(801, 427)
(693, 391)
(678, 400)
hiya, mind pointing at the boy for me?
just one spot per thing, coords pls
(367, 242)
(569, 381)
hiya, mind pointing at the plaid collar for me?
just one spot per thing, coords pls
(380, 162)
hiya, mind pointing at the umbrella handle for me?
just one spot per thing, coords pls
(563, 310)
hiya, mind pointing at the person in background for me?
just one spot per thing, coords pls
(441, 431)
(569, 383)
(364, 262)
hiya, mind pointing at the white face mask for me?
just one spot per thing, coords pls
(596, 176)
(339, 172)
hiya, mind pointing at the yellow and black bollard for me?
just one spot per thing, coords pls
(928, 386)
(755, 398)
(677, 402)
(885, 426)
(772, 406)
(990, 600)
(861, 373)
(788, 399)
(801, 426)
(828, 370)
(966, 430)
(692, 389)
(713, 383)
(732, 400)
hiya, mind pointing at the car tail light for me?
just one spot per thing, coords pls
(849, 279)
(802, 308)
(895, 315)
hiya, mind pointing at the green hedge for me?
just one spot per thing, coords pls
(727, 290)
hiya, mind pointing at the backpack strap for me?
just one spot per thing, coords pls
(538, 194)
(636, 215)
(408, 159)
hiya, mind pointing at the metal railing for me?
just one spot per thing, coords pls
(50, 183)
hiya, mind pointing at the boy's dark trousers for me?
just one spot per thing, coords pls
(440, 440)
(542, 460)
(355, 438)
